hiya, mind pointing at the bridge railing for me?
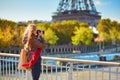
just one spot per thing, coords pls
(60, 69)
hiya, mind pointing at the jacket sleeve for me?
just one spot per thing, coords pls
(37, 44)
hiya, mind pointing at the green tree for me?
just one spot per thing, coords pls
(50, 37)
(82, 35)
(42, 26)
(56, 26)
(118, 29)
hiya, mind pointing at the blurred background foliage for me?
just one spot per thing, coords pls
(59, 33)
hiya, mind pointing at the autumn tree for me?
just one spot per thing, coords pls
(21, 30)
(103, 28)
(64, 30)
(115, 31)
(8, 37)
(109, 30)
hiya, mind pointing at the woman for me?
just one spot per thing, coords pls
(33, 46)
(35, 55)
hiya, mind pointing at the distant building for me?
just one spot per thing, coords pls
(81, 10)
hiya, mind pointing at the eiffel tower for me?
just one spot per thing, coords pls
(81, 10)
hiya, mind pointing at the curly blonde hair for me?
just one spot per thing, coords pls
(29, 33)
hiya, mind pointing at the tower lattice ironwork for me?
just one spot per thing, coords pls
(68, 5)
(81, 10)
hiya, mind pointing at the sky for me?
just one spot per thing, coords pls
(25, 10)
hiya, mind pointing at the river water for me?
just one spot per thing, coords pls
(109, 56)
(91, 56)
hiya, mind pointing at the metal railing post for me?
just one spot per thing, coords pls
(110, 73)
(117, 73)
(89, 72)
(28, 75)
(0, 72)
(70, 71)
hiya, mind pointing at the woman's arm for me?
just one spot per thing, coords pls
(37, 44)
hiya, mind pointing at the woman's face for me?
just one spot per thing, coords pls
(34, 30)
(40, 33)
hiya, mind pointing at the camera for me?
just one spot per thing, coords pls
(40, 31)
